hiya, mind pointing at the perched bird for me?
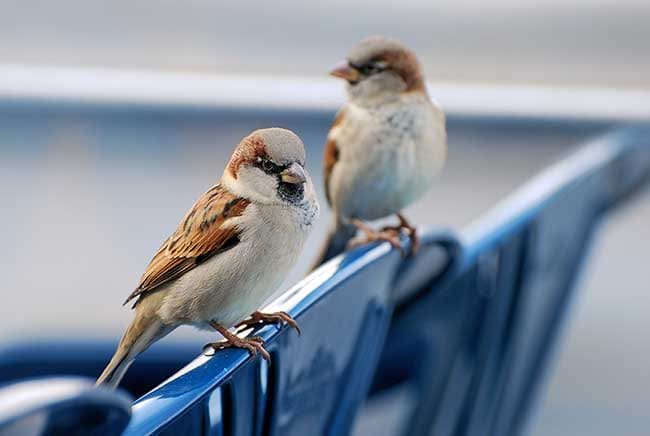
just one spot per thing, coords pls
(385, 147)
(230, 252)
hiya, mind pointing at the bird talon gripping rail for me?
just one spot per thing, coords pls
(477, 312)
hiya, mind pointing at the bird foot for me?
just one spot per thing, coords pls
(253, 345)
(259, 318)
(410, 230)
(388, 235)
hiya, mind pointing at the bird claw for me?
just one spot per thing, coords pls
(388, 235)
(258, 319)
(412, 234)
(410, 230)
(253, 345)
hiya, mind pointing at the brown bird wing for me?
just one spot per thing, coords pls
(200, 235)
(331, 156)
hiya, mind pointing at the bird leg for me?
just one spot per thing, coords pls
(371, 235)
(411, 231)
(259, 318)
(252, 344)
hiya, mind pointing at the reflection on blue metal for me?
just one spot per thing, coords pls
(467, 325)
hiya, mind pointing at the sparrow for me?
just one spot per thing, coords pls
(229, 254)
(385, 147)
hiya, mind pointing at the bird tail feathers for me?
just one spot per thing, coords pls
(143, 331)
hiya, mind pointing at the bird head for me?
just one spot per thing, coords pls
(379, 67)
(268, 166)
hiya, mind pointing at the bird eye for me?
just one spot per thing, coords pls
(370, 68)
(269, 167)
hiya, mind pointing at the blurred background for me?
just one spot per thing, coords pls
(115, 117)
(578, 42)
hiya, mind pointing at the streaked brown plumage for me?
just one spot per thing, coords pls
(200, 235)
(331, 155)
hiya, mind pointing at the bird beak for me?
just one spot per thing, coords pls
(345, 71)
(295, 174)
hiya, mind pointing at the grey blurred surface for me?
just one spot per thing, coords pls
(580, 42)
(89, 196)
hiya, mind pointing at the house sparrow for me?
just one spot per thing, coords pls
(230, 252)
(385, 146)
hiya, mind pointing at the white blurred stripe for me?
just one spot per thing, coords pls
(99, 87)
